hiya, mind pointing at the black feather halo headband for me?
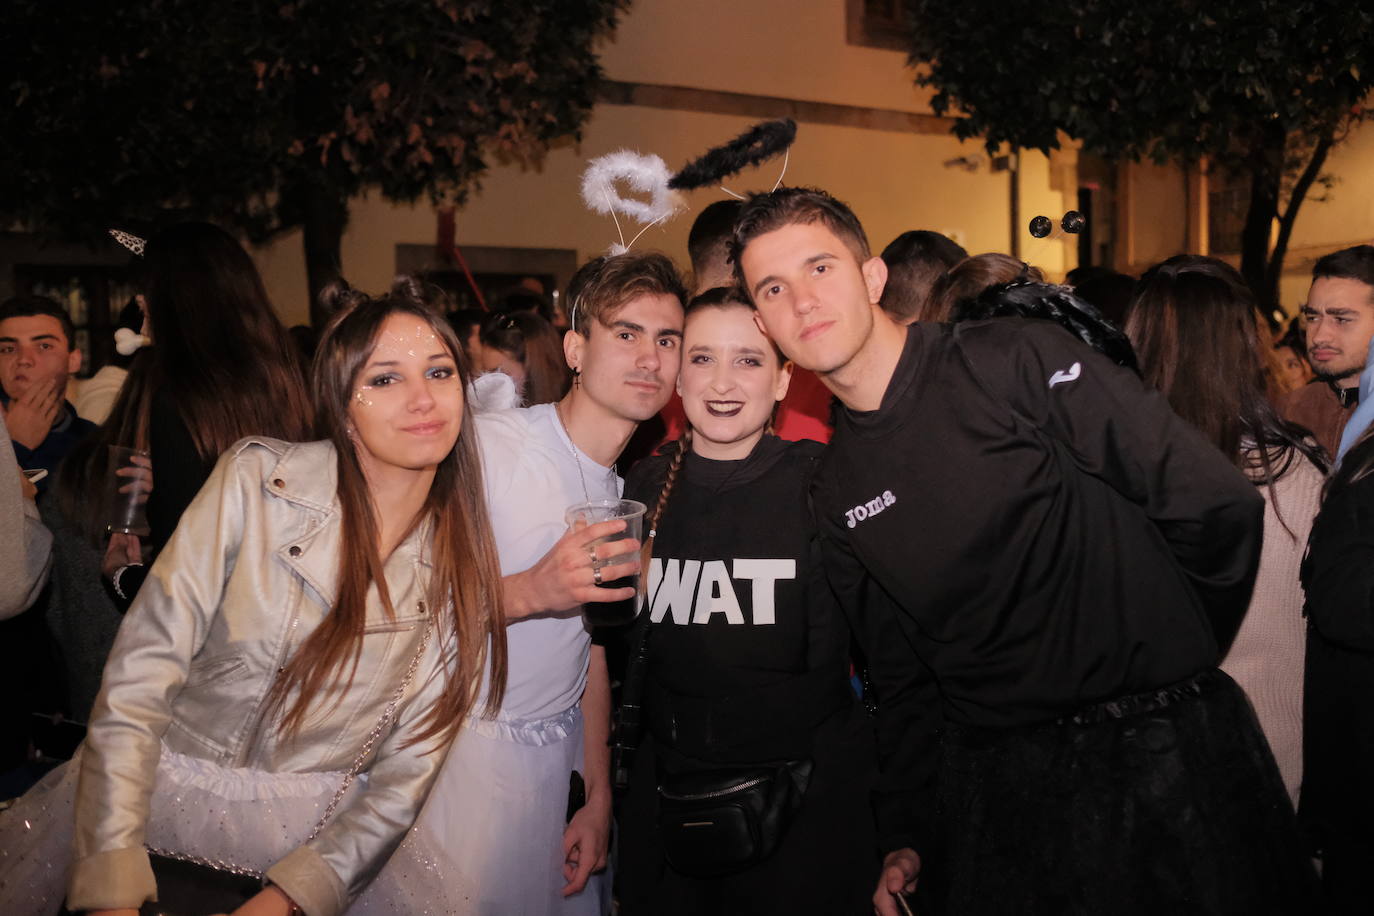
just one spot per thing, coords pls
(761, 142)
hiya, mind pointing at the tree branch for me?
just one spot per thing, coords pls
(1274, 269)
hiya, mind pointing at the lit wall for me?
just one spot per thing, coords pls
(894, 180)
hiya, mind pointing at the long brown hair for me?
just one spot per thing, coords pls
(465, 591)
(534, 343)
(82, 487)
(1195, 328)
(970, 278)
(219, 351)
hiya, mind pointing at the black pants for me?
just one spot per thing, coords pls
(1167, 802)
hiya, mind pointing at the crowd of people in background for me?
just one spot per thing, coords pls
(958, 590)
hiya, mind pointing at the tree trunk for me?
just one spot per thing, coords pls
(1295, 199)
(1254, 238)
(325, 214)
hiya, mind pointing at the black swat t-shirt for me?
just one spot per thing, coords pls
(735, 590)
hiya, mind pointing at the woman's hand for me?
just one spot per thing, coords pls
(564, 578)
(270, 901)
(123, 550)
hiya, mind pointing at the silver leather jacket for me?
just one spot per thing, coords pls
(247, 576)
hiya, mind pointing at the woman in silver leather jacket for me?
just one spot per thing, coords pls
(322, 607)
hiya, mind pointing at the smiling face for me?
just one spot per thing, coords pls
(407, 405)
(1339, 322)
(34, 350)
(813, 295)
(731, 380)
(629, 360)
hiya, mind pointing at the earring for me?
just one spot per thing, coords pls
(577, 377)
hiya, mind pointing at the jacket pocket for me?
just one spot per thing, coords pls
(216, 670)
(399, 625)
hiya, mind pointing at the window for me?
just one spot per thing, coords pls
(876, 24)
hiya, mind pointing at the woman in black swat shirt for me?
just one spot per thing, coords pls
(749, 793)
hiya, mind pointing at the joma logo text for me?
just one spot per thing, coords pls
(870, 508)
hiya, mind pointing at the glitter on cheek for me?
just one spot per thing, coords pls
(363, 396)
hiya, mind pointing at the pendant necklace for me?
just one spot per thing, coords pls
(577, 453)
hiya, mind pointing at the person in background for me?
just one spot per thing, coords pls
(915, 261)
(1338, 742)
(1338, 319)
(1108, 290)
(1196, 328)
(968, 279)
(222, 366)
(527, 348)
(467, 324)
(1051, 303)
(1292, 370)
(25, 547)
(38, 354)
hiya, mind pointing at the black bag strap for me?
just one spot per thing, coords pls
(629, 724)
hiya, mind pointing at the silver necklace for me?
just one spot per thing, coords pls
(577, 453)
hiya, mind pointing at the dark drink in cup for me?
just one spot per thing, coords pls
(611, 613)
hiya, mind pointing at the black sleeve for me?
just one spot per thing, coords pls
(909, 715)
(1126, 435)
(1339, 572)
(178, 470)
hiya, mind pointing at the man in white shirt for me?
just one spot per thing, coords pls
(499, 808)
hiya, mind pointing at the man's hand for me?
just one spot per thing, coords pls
(900, 870)
(270, 901)
(31, 417)
(585, 841)
(563, 578)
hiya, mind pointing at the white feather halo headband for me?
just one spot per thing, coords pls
(643, 174)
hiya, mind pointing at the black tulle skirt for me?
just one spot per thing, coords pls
(1162, 803)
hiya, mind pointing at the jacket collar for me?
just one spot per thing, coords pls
(306, 475)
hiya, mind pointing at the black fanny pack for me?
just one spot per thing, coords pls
(717, 822)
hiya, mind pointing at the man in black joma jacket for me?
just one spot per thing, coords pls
(1040, 561)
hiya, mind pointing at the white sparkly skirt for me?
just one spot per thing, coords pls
(243, 818)
(497, 814)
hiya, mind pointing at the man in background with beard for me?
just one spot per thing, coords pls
(1339, 322)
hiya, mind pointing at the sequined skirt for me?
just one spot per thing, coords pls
(242, 818)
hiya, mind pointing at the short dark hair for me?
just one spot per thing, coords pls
(29, 306)
(1355, 263)
(709, 238)
(766, 211)
(915, 260)
(605, 283)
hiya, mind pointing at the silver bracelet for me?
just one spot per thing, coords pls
(114, 580)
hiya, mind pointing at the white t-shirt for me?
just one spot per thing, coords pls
(532, 477)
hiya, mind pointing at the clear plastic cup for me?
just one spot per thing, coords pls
(611, 613)
(130, 482)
